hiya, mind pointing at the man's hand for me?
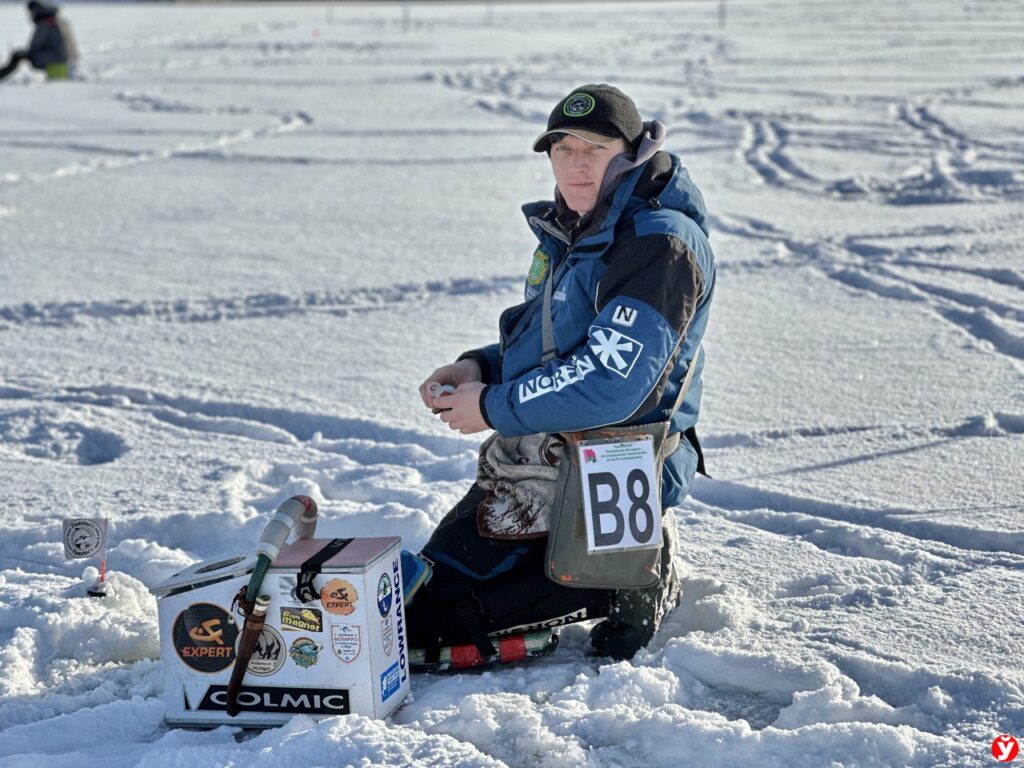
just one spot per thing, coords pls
(461, 409)
(462, 372)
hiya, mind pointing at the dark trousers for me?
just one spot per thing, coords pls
(10, 66)
(484, 586)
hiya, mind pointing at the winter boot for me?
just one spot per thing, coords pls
(636, 613)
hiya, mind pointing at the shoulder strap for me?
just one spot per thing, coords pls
(550, 351)
(672, 442)
(688, 379)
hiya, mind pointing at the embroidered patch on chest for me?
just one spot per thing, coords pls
(539, 268)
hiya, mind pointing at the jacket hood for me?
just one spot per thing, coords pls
(41, 11)
(667, 181)
(654, 178)
(650, 142)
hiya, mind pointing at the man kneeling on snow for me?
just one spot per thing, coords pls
(605, 347)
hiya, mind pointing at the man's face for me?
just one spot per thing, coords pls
(579, 168)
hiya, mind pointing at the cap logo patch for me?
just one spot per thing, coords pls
(579, 105)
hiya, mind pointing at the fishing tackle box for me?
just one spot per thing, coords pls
(334, 641)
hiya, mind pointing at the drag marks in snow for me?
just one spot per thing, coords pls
(998, 324)
(148, 102)
(524, 89)
(253, 306)
(941, 164)
(764, 438)
(370, 478)
(328, 434)
(362, 161)
(279, 123)
(989, 306)
(186, 38)
(763, 146)
(823, 524)
(273, 424)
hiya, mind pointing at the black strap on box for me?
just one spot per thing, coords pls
(304, 589)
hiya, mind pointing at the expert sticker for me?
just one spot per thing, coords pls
(339, 597)
(204, 637)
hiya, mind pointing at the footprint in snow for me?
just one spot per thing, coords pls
(38, 435)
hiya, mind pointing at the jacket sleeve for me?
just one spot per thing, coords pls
(488, 360)
(644, 304)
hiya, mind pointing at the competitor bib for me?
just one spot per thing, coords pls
(621, 499)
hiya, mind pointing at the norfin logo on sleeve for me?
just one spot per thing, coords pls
(616, 352)
(575, 370)
(625, 316)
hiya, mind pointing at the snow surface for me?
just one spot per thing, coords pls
(229, 256)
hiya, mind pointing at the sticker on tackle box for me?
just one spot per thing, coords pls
(389, 682)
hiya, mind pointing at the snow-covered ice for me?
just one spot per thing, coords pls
(230, 254)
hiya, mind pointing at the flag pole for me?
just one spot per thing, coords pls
(99, 588)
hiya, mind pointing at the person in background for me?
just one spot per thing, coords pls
(47, 50)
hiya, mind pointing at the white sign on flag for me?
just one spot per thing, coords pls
(84, 537)
(621, 499)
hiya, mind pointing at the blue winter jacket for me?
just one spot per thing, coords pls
(632, 292)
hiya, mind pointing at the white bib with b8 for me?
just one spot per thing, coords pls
(621, 499)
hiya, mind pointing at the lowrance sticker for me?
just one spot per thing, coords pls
(396, 577)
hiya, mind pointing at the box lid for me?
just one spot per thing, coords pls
(341, 554)
(205, 572)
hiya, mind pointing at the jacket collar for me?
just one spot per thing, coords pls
(593, 231)
(660, 182)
